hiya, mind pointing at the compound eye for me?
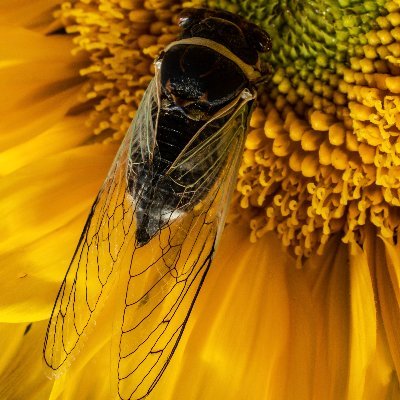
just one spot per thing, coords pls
(259, 39)
(190, 16)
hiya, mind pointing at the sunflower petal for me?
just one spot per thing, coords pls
(246, 311)
(36, 14)
(66, 134)
(381, 379)
(388, 286)
(329, 279)
(22, 377)
(239, 337)
(34, 253)
(363, 321)
(41, 83)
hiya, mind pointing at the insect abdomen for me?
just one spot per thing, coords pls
(196, 82)
(163, 198)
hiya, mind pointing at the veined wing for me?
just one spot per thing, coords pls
(159, 282)
(108, 235)
(166, 274)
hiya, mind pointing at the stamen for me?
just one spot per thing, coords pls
(121, 39)
(323, 153)
(328, 160)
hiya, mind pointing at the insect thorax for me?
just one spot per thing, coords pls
(199, 77)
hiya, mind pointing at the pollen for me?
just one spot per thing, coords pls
(323, 152)
(120, 40)
(322, 156)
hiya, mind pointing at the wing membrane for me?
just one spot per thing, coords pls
(166, 276)
(109, 228)
(157, 283)
(108, 234)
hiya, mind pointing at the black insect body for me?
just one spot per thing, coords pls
(196, 82)
(154, 226)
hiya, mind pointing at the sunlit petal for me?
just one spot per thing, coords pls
(308, 311)
(21, 374)
(41, 224)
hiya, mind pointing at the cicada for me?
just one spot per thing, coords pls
(153, 229)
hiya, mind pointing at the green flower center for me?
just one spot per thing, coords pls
(323, 152)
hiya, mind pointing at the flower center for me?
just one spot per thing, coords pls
(122, 39)
(323, 152)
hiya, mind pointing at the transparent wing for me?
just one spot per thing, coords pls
(166, 275)
(108, 234)
(157, 283)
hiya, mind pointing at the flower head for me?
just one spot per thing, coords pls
(319, 169)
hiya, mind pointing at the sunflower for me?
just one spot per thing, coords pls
(302, 301)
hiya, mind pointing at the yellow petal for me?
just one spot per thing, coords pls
(263, 329)
(362, 323)
(381, 379)
(22, 377)
(39, 84)
(65, 134)
(388, 287)
(10, 340)
(36, 14)
(238, 343)
(328, 275)
(42, 224)
(250, 330)
(352, 361)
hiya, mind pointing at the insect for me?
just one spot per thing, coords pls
(153, 229)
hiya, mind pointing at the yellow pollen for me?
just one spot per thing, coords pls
(120, 39)
(329, 161)
(323, 152)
